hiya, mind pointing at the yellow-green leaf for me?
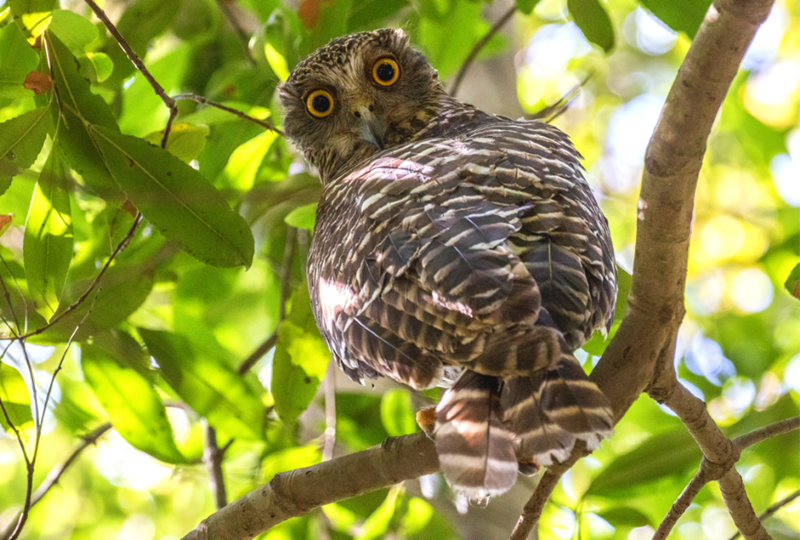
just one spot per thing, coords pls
(47, 244)
(132, 403)
(185, 142)
(16, 401)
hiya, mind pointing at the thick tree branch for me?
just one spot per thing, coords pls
(294, 493)
(774, 508)
(642, 351)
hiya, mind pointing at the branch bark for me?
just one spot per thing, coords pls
(295, 493)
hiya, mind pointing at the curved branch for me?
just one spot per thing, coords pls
(295, 493)
(774, 508)
(772, 430)
(477, 48)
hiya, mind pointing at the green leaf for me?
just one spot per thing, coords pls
(526, 6)
(378, 522)
(21, 7)
(16, 401)
(300, 361)
(74, 31)
(660, 456)
(593, 20)
(17, 59)
(122, 290)
(397, 413)
(100, 63)
(21, 140)
(47, 244)
(179, 202)
(131, 402)
(793, 282)
(624, 516)
(210, 387)
(302, 217)
(185, 142)
(80, 110)
(680, 15)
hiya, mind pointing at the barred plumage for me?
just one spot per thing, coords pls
(450, 243)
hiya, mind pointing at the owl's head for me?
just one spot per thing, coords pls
(357, 95)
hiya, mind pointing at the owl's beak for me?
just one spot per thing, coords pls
(371, 128)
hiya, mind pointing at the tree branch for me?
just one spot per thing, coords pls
(134, 58)
(772, 430)
(642, 352)
(294, 493)
(212, 457)
(477, 48)
(774, 508)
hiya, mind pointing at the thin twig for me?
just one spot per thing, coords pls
(330, 412)
(134, 58)
(477, 48)
(125, 241)
(772, 509)
(532, 510)
(256, 355)
(237, 28)
(213, 457)
(773, 430)
(286, 270)
(680, 505)
(285, 275)
(200, 99)
(56, 472)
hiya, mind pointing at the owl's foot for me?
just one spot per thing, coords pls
(426, 419)
(528, 466)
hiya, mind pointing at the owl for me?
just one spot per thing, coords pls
(456, 248)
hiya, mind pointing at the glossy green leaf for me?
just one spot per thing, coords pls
(98, 63)
(20, 7)
(302, 217)
(131, 402)
(17, 59)
(16, 401)
(185, 142)
(74, 31)
(397, 413)
(680, 15)
(179, 202)
(378, 522)
(122, 290)
(300, 361)
(210, 387)
(793, 282)
(662, 455)
(21, 140)
(47, 244)
(593, 20)
(624, 516)
(80, 110)
(526, 6)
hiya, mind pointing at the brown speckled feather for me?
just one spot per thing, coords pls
(472, 245)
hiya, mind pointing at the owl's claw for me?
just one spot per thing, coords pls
(426, 419)
(528, 466)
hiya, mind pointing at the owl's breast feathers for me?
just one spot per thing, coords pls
(482, 254)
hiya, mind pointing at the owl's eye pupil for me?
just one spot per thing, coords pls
(385, 72)
(321, 103)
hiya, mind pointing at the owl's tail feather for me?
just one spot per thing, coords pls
(548, 411)
(475, 448)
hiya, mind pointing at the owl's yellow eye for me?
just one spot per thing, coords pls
(385, 71)
(320, 103)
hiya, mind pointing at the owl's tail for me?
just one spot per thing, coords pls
(475, 447)
(548, 411)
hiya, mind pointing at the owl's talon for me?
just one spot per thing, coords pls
(528, 466)
(426, 420)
